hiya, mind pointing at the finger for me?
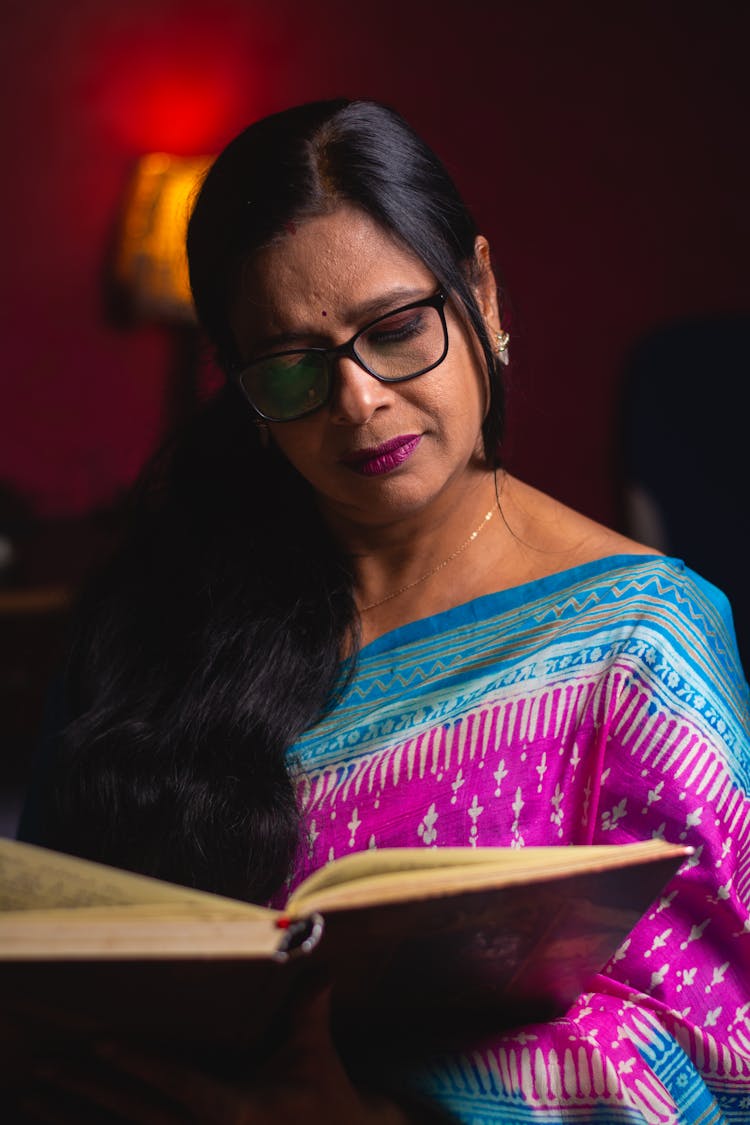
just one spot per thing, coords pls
(310, 1017)
(209, 1100)
(57, 1107)
(38, 1108)
(35, 1110)
(85, 1088)
(307, 1052)
(308, 1061)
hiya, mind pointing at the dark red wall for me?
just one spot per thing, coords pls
(602, 147)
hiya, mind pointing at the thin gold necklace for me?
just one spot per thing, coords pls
(423, 578)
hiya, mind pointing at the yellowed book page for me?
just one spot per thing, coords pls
(138, 931)
(401, 874)
(33, 878)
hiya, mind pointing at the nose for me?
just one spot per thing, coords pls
(357, 395)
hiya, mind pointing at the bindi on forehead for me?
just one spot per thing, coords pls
(323, 312)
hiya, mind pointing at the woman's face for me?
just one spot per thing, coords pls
(377, 451)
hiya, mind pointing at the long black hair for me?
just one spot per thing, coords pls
(214, 637)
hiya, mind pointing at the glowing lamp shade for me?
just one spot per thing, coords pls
(150, 263)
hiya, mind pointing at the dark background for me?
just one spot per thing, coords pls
(603, 149)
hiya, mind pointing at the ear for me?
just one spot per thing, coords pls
(484, 285)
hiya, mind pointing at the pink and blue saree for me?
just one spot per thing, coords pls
(604, 704)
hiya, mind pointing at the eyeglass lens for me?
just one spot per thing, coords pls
(402, 344)
(287, 386)
(398, 346)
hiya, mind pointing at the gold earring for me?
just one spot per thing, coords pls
(501, 347)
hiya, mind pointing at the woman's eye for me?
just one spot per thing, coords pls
(403, 326)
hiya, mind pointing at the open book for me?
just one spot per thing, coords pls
(411, 936)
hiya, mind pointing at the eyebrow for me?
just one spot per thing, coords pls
(360, 314)
(386, 302)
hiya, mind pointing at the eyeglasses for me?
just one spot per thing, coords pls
(399, 345)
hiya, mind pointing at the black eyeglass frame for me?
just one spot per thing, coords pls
(348, 350)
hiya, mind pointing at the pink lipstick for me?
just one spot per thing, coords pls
(382, 458)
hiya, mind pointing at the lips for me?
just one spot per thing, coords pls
(382, 458)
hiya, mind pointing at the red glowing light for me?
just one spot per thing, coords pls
(180, 90)
(177, 111)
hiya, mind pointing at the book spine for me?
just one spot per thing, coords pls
(301, 935)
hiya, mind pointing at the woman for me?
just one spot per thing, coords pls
(340, 624)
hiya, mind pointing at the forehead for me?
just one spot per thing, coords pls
(327, 264)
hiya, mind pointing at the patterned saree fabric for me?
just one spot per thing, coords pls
(604, 704)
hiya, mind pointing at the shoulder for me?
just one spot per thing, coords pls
(639, 588)
(557, 535)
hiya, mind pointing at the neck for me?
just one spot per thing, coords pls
(414, 565)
